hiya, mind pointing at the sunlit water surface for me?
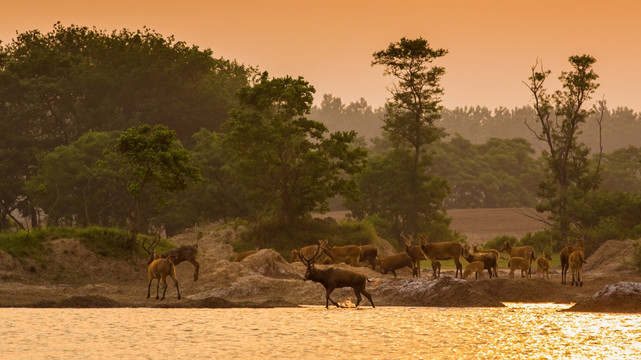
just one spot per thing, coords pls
(524, 331)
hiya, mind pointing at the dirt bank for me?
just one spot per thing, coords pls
(77, 277)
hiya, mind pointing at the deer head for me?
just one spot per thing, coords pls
(309, 263)
(150, 248)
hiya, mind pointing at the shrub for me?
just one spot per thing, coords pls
(498, 242)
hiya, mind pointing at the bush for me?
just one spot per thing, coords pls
(498, 242)
(541, 241)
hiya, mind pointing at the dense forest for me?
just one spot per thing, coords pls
(131, 128)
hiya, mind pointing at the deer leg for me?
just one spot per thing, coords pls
(177, 288)
(368, 296)
(157, 288)
(149, 288)
(357, 291)
(328, 299)
(459, 267)
(164, 287)
(197, 265)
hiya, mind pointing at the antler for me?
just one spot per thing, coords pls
(310, 261)
(151, 246)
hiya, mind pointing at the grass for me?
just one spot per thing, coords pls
(104, 241)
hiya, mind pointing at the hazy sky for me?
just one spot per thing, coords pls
(492, 44)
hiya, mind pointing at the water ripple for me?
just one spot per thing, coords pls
(518, 331)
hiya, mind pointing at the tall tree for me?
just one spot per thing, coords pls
(286, 163)
(560, 117)
(153, 157)
(56, 86)
(409, 124)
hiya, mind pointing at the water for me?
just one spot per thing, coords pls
(518, 331)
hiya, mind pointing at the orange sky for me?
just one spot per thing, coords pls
(492, 44)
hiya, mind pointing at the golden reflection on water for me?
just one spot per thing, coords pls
(518, 331)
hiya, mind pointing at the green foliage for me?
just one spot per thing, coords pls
(541, 241)
(560, 116)
(355, 233)
(499, 173)
(104, 241)
(357, 116)
(412, 198)
(271, 234)
(498, 242)
(76, 187)
(57, 86)
(285, 163)
(152, 156)
(24, 244)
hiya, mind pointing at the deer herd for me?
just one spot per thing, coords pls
(520, 258)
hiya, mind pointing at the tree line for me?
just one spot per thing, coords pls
(135, 129)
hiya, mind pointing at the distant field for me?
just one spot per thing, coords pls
(481, 225)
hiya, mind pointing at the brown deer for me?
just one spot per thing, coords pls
(543, 265)
(416, 253)
(160, 269)
(476, 268)
(565, 258)
(489, 260)
(436, 269)
(333, 278)
(180, 254)
(240, 257)
(519, 263)
(369, 253)
(339, 254)
(526, 252)
(444, 251)
(476, 250)
(394, 262)
(577, 259)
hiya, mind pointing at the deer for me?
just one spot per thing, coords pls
(339, 254)
(159, 269)
(333, 278)
(565, 258)
(394, 262)
(444, 251)
(476, 268)
(180, 254)
(543, 265)
(240, 257)
(577, 259)
(519, 263)
(526, 252)
(476, 250)
(489, 260)
(369, 253)
(416, 253)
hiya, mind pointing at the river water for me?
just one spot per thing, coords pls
(518, 331)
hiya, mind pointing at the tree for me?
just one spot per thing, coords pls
(286, 163)
(74, 186)
(409, 124)
(560, 116)
(56, 86)
(152, 156)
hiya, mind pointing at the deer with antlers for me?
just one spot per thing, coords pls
(333, 278)
(180, 254)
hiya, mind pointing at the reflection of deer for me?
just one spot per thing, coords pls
(333, 278)
(180, 254)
